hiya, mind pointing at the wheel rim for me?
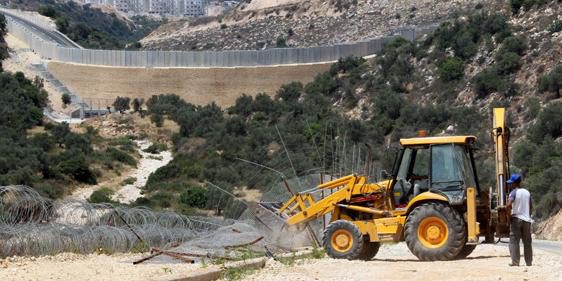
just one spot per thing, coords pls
(342, 240)
(433, 232)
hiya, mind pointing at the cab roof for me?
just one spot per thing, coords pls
(438, 140)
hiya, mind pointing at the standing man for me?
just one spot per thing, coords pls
(521, 206)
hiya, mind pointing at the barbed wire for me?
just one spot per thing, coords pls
(33, 225)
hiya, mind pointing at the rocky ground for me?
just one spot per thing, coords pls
(550, 229)
(258, 25)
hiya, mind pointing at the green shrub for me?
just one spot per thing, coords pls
(121, 156)
(66, 99)
(102, 195)
(465, 46)
(281, 42)
(548, 124)
(157, 119)
(533, 107)
(543, 83)
(122, 104)
(48, 11)
(290, 92)
(3, 25)
(345, 65)
(161, 200)
(75, 165)
(486, 82)
(507, 63)
(242, 106)
(129, 180)
(394, 61)
(552, 81)
(156, 148)
(137, 104)
(515, 44)
(194, 197)
(62, 24)
(451, 69)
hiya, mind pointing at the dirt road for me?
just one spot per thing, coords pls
(395, 262)
(90, 267)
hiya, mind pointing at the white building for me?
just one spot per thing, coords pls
(181, 8)
(190, 8)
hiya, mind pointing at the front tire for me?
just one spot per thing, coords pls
(465, 252)
(435, 231)
(343, 240)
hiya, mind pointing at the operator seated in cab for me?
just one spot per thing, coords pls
(412, 176)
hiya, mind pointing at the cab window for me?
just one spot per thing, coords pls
(450, 167)
(412, 174)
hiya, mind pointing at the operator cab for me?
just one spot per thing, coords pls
(443, 165)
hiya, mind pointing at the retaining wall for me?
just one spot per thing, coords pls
(100, 85)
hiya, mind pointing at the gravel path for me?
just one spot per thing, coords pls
(395, 262)
(147, 165)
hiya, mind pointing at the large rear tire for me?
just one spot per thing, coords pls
(343, 240)
(435, 231)
(465, 252)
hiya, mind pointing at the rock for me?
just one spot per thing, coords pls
(331, 23)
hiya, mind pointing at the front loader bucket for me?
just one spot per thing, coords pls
(268, 220)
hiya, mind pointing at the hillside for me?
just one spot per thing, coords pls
(91, 27)
(447, 81)
(270, 24)
(52, 158)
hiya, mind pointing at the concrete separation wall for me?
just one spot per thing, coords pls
(52, 50)
(100, 85)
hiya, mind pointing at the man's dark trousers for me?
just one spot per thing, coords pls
(520, 229)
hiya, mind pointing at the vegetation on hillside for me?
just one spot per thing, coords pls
(539, 156)
(49, 157)
(387, 92)
(89, 26)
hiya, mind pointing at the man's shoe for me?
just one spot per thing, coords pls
(529, 264)
(513, 264)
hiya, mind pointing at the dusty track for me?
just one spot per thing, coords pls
(393, 262)
(488, 262)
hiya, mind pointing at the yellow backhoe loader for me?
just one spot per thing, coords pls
(431, 200)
